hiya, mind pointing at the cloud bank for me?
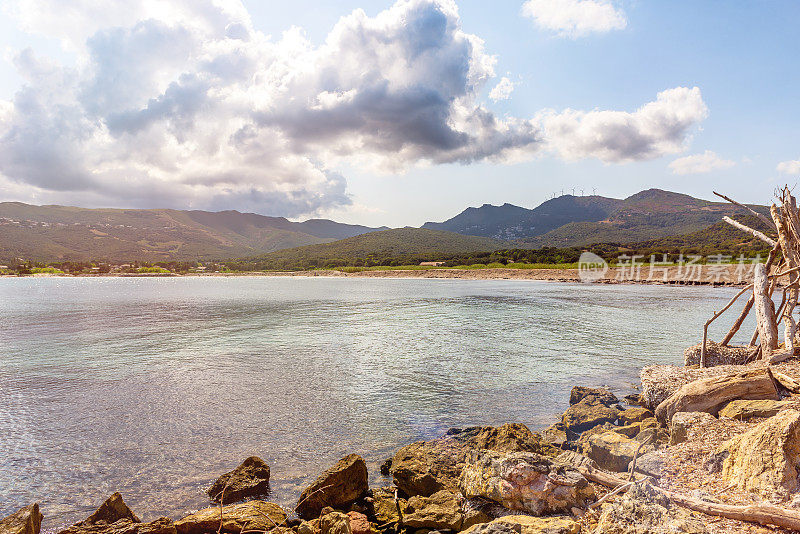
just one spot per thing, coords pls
(183, 103)
(789, 167)
(575, 18)
(700, 163)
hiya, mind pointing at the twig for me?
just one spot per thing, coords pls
(304, 499)
(636, 456)
(610, 494)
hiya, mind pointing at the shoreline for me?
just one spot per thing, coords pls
(722, 276)
(598, 430)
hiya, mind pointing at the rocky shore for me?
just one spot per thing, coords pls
(696, 451)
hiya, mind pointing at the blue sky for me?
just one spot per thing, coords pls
(146, 104)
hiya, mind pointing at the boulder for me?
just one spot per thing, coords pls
(250, 479)
(765, 458)
(556, 435)
(124, 526)
(612, 451)
(255, 515)
(742, 410)
(682, 423)
(650, 464)
(114, 517)
(337, 487)
(601, 395)
(575, 459)
(717, 354)
(645, 510)
(359, 523)
(385, 506)
(26, 520)
(524, 481)
(588, 413)
(440, 511)
(635, 414)
(111, 511)
(334, 523)
(425, 467)
(525, 524)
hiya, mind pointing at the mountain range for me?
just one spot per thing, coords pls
(59, 233)
(569, 221)
(53, 233)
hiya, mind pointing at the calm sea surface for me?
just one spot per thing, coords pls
(155, 386)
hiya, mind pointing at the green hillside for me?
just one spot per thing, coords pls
(61, 233)
(401, 246)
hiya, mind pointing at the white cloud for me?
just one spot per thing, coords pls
(789, 167)
(655, 129)
(183, 103)
(700, 163)
(575, 18)
(503, 90)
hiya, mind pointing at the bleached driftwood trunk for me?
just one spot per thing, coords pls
(754, 233)
(762, 513)
(765, 314)
(710, 394)
(787, 224)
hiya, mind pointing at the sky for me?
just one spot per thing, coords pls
(382, 113)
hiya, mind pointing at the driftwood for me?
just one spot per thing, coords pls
(763, 218)
(711, 394)
(739, 320)
(763, 513)
(749, 305)
(787, 382)
(782, 218)
(751, 231)
(765, 314)
(713, 318)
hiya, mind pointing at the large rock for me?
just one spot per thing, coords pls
(601, 395)
(440, 511)
(765, 458)
(645, 510)
(385, 507)
(636, 414)
(682, 422)
(556, 435)
(26, 520)
(255, 515)
(425, 467)
(124, 526)
(612, 450)
(334, 523)
(717, 354)
(524, 481)
(337, 487)
(359, 523)
(112, 510)
(650, 464)
(250, 479)
(525, 524)
(587, 414)
(742, 410)
(114, 517)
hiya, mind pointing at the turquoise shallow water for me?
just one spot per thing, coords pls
(154, 386)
